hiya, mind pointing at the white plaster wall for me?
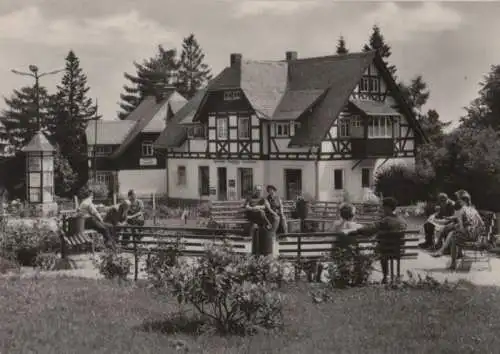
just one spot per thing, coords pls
(275, 175)
(143, 181)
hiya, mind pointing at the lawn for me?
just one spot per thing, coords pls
(71, 315)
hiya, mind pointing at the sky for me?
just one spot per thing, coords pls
(451, 44)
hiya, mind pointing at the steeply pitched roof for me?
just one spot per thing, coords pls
(282, 90)
(340, 75)
(150, 114)
(38, 143)
(175, 134)
(109, 132)
(374, 108)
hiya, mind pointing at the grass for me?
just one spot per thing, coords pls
(71, 315)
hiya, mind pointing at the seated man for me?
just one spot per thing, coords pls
(135, 213)
(257, 209)
(390, 225)
(92, 218)
(437, 222)
(117, 214)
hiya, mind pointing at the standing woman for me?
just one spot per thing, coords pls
(277, 206)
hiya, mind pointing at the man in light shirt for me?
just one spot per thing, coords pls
(94, 220)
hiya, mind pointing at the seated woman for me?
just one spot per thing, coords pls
(92, 218)
(468, 227)
(346, 223)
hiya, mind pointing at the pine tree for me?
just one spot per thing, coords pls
(193, 72)
(71, 109)
(341, 46)
(20, 117)
(154, 77)
(377, 42)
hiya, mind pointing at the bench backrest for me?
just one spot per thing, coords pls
(489, 219)
(319, 209)
(296, 245)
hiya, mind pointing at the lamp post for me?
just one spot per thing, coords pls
(39, 156)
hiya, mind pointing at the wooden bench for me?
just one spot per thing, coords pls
(231, 214)
(73, 236)
(305, 249)
(147, 240)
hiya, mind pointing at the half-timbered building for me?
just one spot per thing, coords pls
(122, 151)
(321, 126)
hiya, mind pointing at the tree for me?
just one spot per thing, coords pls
(193, 72)
(20, 117)
(154, 77)
(469, 159)
(71, 110)
(377, 42)
(484, 111)
(341, 46)
(416, 94)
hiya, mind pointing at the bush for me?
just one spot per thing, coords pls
(233, 293)
(349, 267)
(112, 266)
(159, 264)
(25, 240)
(404, 183)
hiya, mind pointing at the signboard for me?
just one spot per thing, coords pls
(213, 191)
(232, 183)
(147, 161)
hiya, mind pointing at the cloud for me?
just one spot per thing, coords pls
(400, 22)
(29, 25)
(249, 8)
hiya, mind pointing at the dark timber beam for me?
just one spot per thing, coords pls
(356, 164)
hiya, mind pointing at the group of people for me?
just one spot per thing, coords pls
(454, 223)
(127, 211)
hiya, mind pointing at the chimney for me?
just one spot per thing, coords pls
(291, 56)
(235, 59)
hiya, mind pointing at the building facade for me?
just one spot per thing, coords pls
(318, 126)
(121, 152)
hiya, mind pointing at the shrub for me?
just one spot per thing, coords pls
(348, 267)
(204, 210)
(159, 264)
(112, 266)
(405, 183)
(233, 293)
(26, 240)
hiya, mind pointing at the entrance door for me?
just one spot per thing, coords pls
(222, 183)
(293, 183)
(245, 182)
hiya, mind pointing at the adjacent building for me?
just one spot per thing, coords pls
(122, 151)
(321, 126)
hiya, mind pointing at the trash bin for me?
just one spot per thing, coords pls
(76, 225)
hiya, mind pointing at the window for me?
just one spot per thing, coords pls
(204, 180)
(232, 95)
(147, 148)
(181, 176)
(100, 150)
(294, 127)
(222, 128)
(344, 128)
(197, 131)
(244, 127)
(364, 85)
(374, 84)
(338, 179)
(356, 122)
(365, 178)
(282, 130)
(103, 177)
(380, 127)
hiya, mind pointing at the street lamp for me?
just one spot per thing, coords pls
(39, 155)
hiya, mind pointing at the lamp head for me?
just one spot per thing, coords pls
(33, 68)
